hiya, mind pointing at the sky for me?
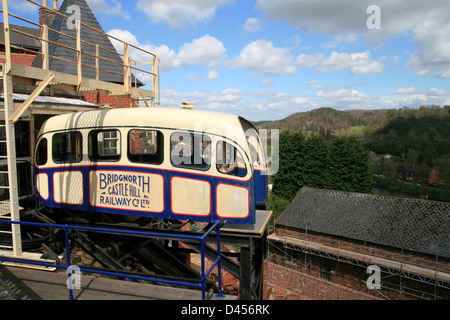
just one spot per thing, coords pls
(268, 59)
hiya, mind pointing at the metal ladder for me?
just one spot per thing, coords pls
(5, 229)
(10, 238)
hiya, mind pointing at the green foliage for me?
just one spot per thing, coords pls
(324, 155)
(277, 205)
(350, 166)
(309, 161)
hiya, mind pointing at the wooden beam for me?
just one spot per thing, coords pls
(119, 102)
(17, 113)
(126, 67)
(7, 39)
(44, 44)
(79, 75)
(87, 84)
(143, 98)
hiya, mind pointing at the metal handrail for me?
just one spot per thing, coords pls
(65, 227)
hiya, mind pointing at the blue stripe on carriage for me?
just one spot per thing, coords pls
(167, 176)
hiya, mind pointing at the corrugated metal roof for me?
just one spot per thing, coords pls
(52, 101)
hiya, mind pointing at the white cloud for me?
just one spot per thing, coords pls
(262, 57)
(426, 21)
(252, 25)
(342, 38)
(178, 14)
(433, 46)
(301, 100)
(355, 63)
(111, 7)
(213, 75)
(205, 50)
(343, 96)
(430, 92)
(308, 60)
(336, 17)
(267, 82)
(23, 6)
(316, 85)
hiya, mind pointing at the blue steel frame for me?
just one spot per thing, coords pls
(200, 238)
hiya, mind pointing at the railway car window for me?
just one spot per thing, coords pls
(41, 152)
(229, 160)
(145, 146)
(190, 150)
(67, 147)
(104, 145)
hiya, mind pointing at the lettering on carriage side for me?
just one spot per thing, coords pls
(123, 190)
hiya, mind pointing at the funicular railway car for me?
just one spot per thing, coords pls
(178, 164)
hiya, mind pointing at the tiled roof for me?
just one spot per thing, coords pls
(417, 225)
(61, 24)
(19, 39)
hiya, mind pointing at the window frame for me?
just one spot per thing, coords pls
(40, 151)
(237, 153)
(194, 153)
(78, 147)
(94, 154)
(156, 158)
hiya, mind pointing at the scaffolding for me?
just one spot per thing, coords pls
(430, 271)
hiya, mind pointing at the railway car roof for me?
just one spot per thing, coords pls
(173, 118)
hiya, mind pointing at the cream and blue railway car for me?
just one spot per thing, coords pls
(153, 162)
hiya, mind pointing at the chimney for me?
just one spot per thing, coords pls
(45, 15)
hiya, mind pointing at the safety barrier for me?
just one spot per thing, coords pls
(201, 238)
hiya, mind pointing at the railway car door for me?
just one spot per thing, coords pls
(234, 192)
(190, 183)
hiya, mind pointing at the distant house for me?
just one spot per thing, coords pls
(336, 236)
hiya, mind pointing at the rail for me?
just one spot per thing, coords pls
(201, 238)
(132, 68)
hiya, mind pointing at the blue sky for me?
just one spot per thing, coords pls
(267, 59)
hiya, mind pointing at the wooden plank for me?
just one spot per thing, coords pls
(86, 84)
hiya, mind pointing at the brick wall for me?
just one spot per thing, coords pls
(282, 283)
(352, 276)
(20, 58)
(109, 100)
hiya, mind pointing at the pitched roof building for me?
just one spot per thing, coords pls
(89, 38)
(337, 235)
(415, 225)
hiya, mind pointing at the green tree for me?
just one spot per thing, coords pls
(289, 179)
(316, 163)
(350, 165)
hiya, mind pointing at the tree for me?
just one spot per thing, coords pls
(289, 179)
(350, 165)
(316, 165)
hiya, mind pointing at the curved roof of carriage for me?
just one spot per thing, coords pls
(217, 123)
